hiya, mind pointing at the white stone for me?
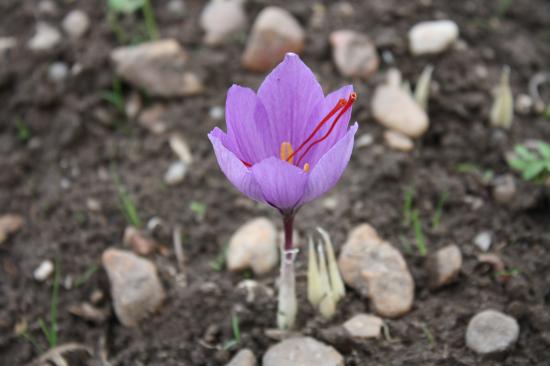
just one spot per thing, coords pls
(216, 112)
(364, 326)
(432, 36)
(254, 245)
(181, 148)
(135, 287)
(302, 351)
(483, 240)
(364, 140)
(274, 33)
(45, 38)
(398, 141)
(444, 266)
(76, 23)
(58, 71)
(43, 271)
(175, 173)
(354, 54)
(378, 271)
(244, 357)
(491, 332)
(221, 19)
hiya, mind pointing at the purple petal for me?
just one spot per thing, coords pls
(247, 125)
(290, 93)
(337, 133)
(330, 167)
(234, 169)
(282, 184)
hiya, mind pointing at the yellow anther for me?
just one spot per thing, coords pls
(306, 167)
(286, 151)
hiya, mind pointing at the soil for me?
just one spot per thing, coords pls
(71, 153)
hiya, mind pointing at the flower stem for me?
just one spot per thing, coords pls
(287, 307)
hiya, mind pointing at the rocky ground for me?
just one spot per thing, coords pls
(121, 242)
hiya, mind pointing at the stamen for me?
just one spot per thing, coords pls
(306, 167)
(341, 103)
(286, 152)
(350, 101)
(248, 165)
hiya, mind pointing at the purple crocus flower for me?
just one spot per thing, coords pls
(289, 143)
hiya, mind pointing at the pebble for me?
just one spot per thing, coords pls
(504, 189)
(45, 38)
(58, 71)
(221, 19)
(483, 240)
(378, 271)
(244, 357)
(524, 104)
(216, 112)
(89, 312)
(76, 24)
(47, 7)
(274, 33)
(491, 331)
(133, 105)
(6, 44)
(432, 36)
(444, 266)
(254, 245)
(302, 351)
(140, 243)
(176, 7)
(158, 66)
(153, 119)
(397, 110)
(364, 326)
(136, 290)
(354, 54)
(9, 224)
(43, 271)
(398, 141)
(253, 290)
(364, 140)
(180, 147)
(175, 173)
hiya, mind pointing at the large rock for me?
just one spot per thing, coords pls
(135, 287)
(354, 54)
(396, 109)
(274, 33)
(432, 37)
(491, 332)
(254, 245)
(244, 357)
(159, 67)
(222, 19)
(378, 271)
(302, 351)
(444, 266)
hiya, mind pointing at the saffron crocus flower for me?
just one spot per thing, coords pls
(286, 145)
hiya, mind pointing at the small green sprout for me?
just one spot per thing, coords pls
(50, 330)
(436, 219)
(218, 264)
(428, 334)
(86, 275)
(126, 202)
(23, 132)
(128, 7)
(407, 205)
(235, 327)
(115, 96)
(198, 208)
(469, 168)
(419, 234)
(533, 164)
(502, 112)
(422, 89)
(508, 273)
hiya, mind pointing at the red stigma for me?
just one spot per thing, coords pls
(352, 98)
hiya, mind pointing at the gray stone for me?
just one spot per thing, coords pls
(504, 189)
(254, 245)
(135, 287)
(444, 266)
(483, 240)
(378, 271)
(158, 66)
(354, 54)
(45, 38)
(302, 351)
(274, 33)
(244, 357)
(58, 72)
(491, 331)
(6, 44)
(364, 326)
(222, 19)
(76, 24)
(432, 37)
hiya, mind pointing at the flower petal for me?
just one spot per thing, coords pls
(247, 125)
(290, 93)
(282, 184)
(234, 169)
(330, 167)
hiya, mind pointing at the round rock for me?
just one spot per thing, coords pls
(378, 271)
(432, 37)
(302, 351)
(491, 332)
(45, 38)
(274, 33)
(222, 19)
(354, 54)
(244, 357)
(76, 23)
(444, 266)
(364, 326)
(253, 245)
